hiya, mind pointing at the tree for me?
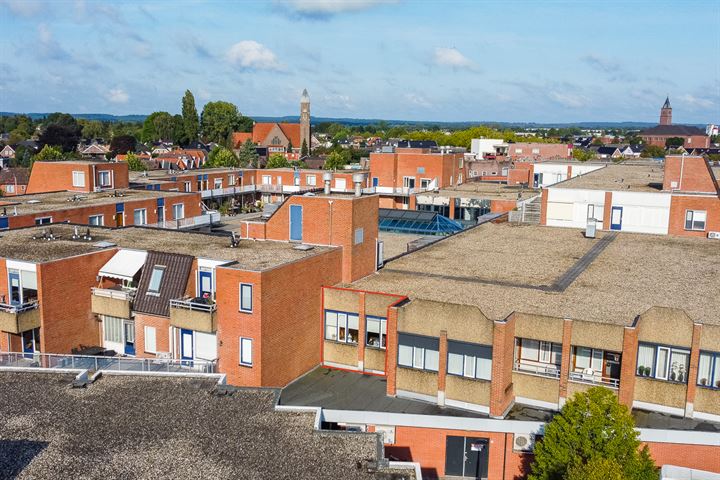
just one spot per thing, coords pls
(62, 119)
(218, 121)
(122, 144)
(62, 136)
(178, 135)
(23, 157)
(304, 152)
(134, 163)
(653, 151)
(48, 154)
(675, 142)
(596, 469)
(247, 155)
(93, 129)
(221, 157)
(157, 126)
(191, 123)
(277, 160)
(591, 431)
(582, 155)
(597, 141)
(335, 161)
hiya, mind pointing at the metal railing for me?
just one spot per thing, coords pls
(18, 308)
(594, 379)
(189, 222)
(188, 304)
(549, 370)
(113, 293)
(97, 363)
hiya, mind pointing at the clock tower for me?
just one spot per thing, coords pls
(305, 120)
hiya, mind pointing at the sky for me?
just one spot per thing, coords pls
(513, 60)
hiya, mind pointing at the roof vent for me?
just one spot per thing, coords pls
(104, 244)
(303, 248)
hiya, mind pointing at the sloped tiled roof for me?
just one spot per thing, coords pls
(172, 285)
(238, 138)
(290, 130)
(679, 130)
(14, 175)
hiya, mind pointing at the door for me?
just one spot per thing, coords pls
(466, 457)
(375, 181)
(616, 218)
(186, 344)
(129, 337)
(15, 290)
(537, 180)
(296, 223)
(31, 342)
(120, 214)
(205, 284)
(160, 210)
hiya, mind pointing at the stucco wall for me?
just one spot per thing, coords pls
(710, 338)
(417, 381)
(343, 300)
(343, 354)
(666, 326)
(537, 388)
(467, 390)
(462, 322)
(539, 327)
(374, 359)
(597, 335)
(660, 392)
(707, 401)
(377, 305)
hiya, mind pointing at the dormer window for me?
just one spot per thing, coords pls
(156, 279)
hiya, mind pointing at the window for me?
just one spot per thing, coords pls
(178, 211)
(246, 351)
(518, 150)
(537, 356)
(156, 279)
(375, 331)
(535, 151)
(416, 351)
(104, 178)
(140, 216)
(150, 340)
(266, 179)
(709, 370)
(217, 183)
(359, 236)
(246, 300)
(663, 362)
(591, 211)
(341, 326)
(43, 220)
(112, 329)
(469, 360)
(78, 179)
(231, 180)
(595, 365)
(10, 188)
(311, 180)
(425, 183)
(695, 219)
(188, 186)
(98, 220)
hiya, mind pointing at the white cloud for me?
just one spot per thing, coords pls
(696, 101)
(204, 94)
(418, 100)
(569, 100)
(117, 95)
(451, 57)
(249, 54)
(330, 7)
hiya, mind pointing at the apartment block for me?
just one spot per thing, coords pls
(77, 176)
(538, 151)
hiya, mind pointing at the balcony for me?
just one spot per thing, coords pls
(547, 370)
(594, 378)
(19, 318)
(113, 302)
(193, 314)
(207, 219)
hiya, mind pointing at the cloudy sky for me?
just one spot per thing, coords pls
(444, 60)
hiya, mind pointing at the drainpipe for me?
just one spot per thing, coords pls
(682, 165)
(330, 203)
(92, 189)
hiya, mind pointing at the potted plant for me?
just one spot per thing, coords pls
(641, 370)
(647, 371)
(717, 384)
(672, 376)
(703, 381)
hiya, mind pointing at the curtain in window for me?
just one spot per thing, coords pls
(705, 369)
(469, 366)
(342, 326)
(716, 377)
(432, 358)
(597, 360)
(662, 363)
(646, 357)
(484, 368)
(679, 364)
(405, 356)
(529, 349)
(331, 325)
(352, 328)
(113, 329)
(418, 357)
(455, 364)
(582, 357)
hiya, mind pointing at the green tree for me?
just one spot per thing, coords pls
(122, 144)
(596, 468)
(247, 155)
(583, 155)
(49, 153)
(675, 142)
(134, 163)
(191, 123)
(277, 160)
(178, 135)
(653, 151)
(592, 427)
(221, 157)
(93, 129)
(62, 136)
(304, 152)
(335, 161)
(218, 121)
(157, 126)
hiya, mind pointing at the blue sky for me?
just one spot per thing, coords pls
(542, 61)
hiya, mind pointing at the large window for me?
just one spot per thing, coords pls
(709, 370)
(140, 216)
(595, 366)
(156, 279)
(663, 362)
(416, 351)
(150, 339)
(178, 211)
(311, 180)
(78, 179)
(246, 352)
(104, 178)
(469, 360)
(341, 326)
(246, 300)
(112, 329)
(43, 220)
(376, 331)
(537, 356)
(695, 220)
(98, 220)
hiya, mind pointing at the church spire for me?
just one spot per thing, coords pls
(667, 102)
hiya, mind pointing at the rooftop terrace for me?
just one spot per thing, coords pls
(249, 255)
(503, 268)
(633, 178)
(65, 200)
(161, 427)
(488, 190)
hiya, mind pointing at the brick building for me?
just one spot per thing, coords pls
(539, 151)
(693, 137)
(14, 181)
(77, 176)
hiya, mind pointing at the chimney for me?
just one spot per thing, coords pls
(327, 178)
(358, 179)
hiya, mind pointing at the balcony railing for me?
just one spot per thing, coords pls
(594, 379)
(193, 314)
(189, 304)
(93, 363)
(18, 308)
(548, 370)
(115, 294)
(188, 223)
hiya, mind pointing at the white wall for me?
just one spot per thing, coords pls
(568, 207)
(481, 146)
(644, 212)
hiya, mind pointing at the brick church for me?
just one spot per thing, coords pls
(284, 138)
(658, 135)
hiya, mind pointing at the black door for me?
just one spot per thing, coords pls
(466, 457)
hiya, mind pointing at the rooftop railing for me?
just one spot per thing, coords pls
(19, 307)
(97, 363)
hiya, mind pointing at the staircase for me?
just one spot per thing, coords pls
(527, 212)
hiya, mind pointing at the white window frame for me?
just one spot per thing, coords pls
(419, 358)
(182, 211)
(150, 347)
(78, 178)
(359, 236)
(246, 350)
(188, 186)
(217, 183)
(41, 220)
(102, 174)
(143, 212)
(266, 180)
(690, 216)
(311, 180)
(231, 180)
(10, 188)
(382, 334)
(241, 304)
(471, 360)
(156, 291)
(101, 221)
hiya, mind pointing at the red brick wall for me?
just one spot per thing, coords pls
(547, 150)
(696, 174)
(384, 167)
(390, 168)
(499, 206)
(700, 457)
(679, 204)
(501, 387)
(18, 190)
(162, 334)
(55, 176)
(65, 313)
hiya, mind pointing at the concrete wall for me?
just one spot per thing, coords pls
(539, 327)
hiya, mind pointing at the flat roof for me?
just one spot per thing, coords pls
(506, 268)
(67, 200)
(249, 254)
(164, 175)
(163, 427)
(487, 190)
(396, 243)
(633, 178)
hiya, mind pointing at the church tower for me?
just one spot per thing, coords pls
(304, 120)
(666, 113)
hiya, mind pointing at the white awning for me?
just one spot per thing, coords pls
(124, 265)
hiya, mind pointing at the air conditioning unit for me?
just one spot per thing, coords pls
(523, 442)
(715, 235)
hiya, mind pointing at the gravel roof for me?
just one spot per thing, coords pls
(249, 255)
(633, 178)
(488, 190)
(395, 243)
(502, 268)
(65, 200)
(162, 427)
